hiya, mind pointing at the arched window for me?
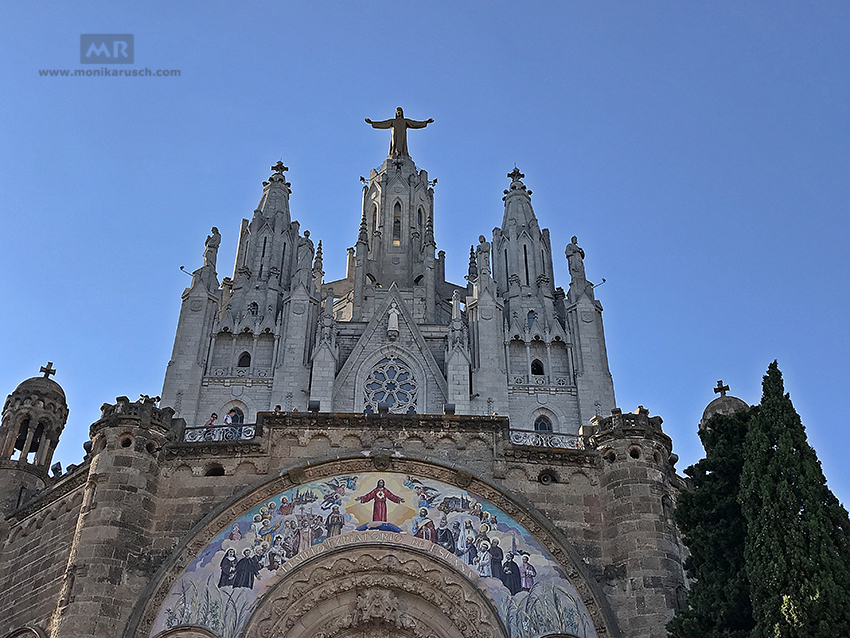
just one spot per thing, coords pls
(531, 317)
(244, 360)
(239, 417)
(374, 218)
(537, 367)
(419, 218)
(525, 258)
(397, 224)
(542, 424)
(253, 308)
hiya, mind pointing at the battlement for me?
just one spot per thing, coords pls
(144, 410)
(626, 427)
(620, 420)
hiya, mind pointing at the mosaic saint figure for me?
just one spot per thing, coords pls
(276, 555)
(423, 526)
(445, 539)
(380, 495)
(291, 538)
(510, 575)
(470, 553)
(482, 561)
(246, 569)
(266, 530)
(334, 522)
(496, 557)
(228, 568)
(235, 534)
(527, 573)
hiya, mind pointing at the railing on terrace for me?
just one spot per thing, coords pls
(537, 438)
(248, 431)
(241, 432)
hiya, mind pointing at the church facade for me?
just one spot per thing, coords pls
(396, 454)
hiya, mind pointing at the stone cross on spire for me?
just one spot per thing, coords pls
(279, 168)
(515, 175)
(721, 389)
(48, 370)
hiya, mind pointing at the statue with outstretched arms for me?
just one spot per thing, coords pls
(399, 125)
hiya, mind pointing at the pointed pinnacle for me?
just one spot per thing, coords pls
(363, 235)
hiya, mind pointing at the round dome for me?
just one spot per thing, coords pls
(726, 405)
(35, 391)
(41, 386)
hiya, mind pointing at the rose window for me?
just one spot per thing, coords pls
(391, 382)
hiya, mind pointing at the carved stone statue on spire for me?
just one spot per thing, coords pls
(304, 257)
(575, 259)
(399, 125)
(483, 256)
(211, 247)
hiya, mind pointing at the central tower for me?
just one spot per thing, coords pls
(396, 244)
(392, 334)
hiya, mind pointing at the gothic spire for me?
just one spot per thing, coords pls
(276, 192)
(517, 201)
(364, 230)
(473, 265)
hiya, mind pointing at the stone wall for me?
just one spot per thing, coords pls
(36, 542)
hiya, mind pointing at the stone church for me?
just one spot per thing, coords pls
(385, 454)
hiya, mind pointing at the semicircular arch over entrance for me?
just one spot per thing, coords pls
(223, 577)
(377, 583)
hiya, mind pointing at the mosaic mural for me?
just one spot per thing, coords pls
(224, 584)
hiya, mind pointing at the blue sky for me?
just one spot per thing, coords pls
(699, 151)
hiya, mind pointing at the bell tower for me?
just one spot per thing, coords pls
(33, 418)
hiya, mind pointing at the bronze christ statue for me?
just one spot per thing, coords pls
(399, 125)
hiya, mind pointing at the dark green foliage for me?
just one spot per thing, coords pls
(797, 548)
(709, 517)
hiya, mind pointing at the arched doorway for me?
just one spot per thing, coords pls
(332, 543)
(377, 584)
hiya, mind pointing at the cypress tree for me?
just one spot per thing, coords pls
(797, 548)
(713, 528)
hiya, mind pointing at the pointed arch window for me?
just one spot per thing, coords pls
(244, 360)
(525, 258)
(419, 218)
(253, 308)
(397, 224)
(374, 218)
(542, 424)
(537, 367)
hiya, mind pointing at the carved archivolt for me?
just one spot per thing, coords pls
(375, 590)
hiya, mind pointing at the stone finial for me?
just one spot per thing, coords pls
(48, 370)
(364, 231)
(472, 271)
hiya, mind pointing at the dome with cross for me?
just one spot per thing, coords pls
(724, 404)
